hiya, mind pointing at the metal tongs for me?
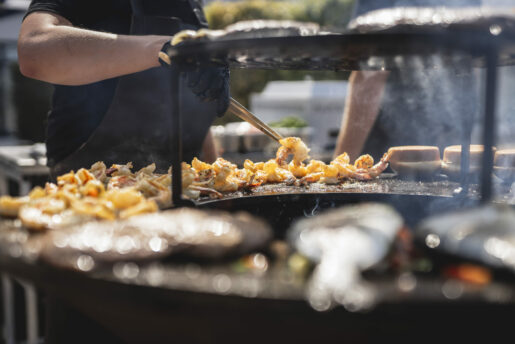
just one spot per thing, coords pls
(240, 111)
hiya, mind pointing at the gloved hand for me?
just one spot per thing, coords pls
(208, 82)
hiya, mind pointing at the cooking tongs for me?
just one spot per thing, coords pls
(240, 111)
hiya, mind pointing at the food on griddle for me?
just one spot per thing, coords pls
(102, 193)
(10, 206)
(342, 243)
(80, 197)
(191, 232)
(504, 164)
(416, 162)
(224, 176)
(292, 146)
(95, 194)
(451, 162)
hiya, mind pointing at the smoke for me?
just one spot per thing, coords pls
(427, 100)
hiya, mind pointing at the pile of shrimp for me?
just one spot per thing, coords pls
(224, 176)
(118, 192)
(98, 193)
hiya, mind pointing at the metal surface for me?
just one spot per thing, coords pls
(176, 137)
(240, 111)
(489, 126)
(468, 115)
(8, 309)
(169, 301)
(281, 204)
(31, 311)
(374, 51)
(346, 51)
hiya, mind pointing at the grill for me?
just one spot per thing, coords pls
(488, 42)
(177, 299)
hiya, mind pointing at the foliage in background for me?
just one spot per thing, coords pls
(221, 14)
(289, 122)
(327, 13)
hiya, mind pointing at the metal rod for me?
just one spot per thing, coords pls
(8, 305)
(489, 125)
(176, 137)
(240, 111)
(468, 115)
(31, 310)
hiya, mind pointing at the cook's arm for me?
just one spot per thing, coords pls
(361, 108)
(52, 50)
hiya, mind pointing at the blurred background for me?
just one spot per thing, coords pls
(307, 104)
(290, 99)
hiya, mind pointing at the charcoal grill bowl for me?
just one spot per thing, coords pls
(80, 306)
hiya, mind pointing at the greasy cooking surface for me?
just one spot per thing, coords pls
(384, 184)
(470, 34)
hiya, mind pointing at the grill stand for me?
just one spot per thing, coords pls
(492, 57)
(467, 122)
(176, 140)
(176, 137)
(489, 51)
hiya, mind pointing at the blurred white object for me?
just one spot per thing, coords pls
(320, 103)
(20, 163)
(343, 242)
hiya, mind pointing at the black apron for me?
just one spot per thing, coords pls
(138, 123)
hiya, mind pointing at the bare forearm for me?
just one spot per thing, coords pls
(67, 55)
(361, 109)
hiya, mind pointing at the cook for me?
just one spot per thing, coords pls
(112, 99)
(414, 105)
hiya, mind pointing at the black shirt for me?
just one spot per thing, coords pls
(78, 110)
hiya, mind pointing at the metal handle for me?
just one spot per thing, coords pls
(240, 111)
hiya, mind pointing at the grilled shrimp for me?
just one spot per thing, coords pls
(199, 165)
(315, 166)
(277, 174)
(374, 171)
(98, 170)
(289, 146)
(224, 169)
(342, 159)
(10, 206)
(310, 178)
(120, 170)
(364, 161)
(298, 170)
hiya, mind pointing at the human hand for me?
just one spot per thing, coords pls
(209, 82)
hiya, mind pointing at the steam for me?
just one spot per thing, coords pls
(437, 99)
(428, 100)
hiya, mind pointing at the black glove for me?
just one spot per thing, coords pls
(208, 82)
